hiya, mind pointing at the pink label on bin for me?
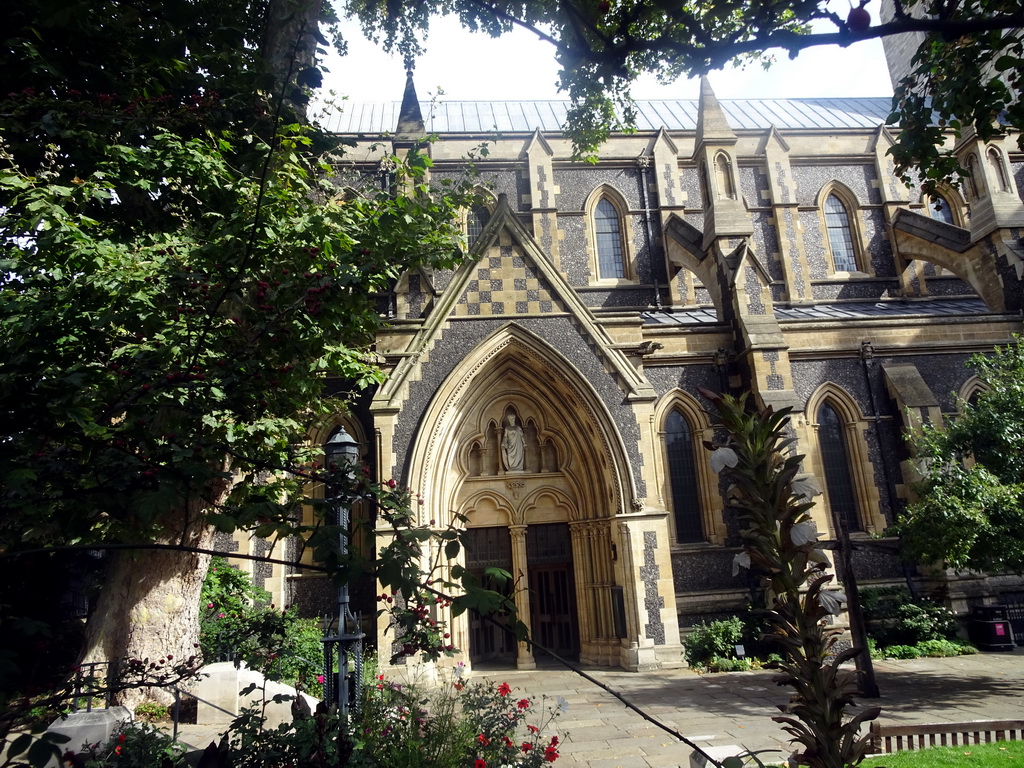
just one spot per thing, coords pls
(1000, 629)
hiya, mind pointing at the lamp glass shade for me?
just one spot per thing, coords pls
(342, 447)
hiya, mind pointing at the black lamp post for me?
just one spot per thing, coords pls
(342, 452)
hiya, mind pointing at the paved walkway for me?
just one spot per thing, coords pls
(736, 708)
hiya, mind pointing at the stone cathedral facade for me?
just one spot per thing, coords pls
(547, 389)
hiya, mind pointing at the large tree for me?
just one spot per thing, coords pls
(969, 513)
(179, 278)
(967, 72)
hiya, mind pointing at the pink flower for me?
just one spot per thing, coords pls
(221, 615)
(320, 679)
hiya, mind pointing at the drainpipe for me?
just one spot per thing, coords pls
(644, 162)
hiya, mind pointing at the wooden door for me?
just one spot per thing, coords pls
(553, 617)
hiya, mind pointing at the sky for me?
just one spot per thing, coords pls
(518, 66)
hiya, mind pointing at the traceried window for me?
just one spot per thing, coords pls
(840, 235)
(608, 236)
(835, 458)
(476, 220)
(682, 473)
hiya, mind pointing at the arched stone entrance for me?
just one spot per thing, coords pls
(517, 443)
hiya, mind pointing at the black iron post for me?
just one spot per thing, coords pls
(342, 452)
(858, 630)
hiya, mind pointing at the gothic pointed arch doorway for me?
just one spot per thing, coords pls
(519, 444)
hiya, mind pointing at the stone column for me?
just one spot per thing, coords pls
(524, 657)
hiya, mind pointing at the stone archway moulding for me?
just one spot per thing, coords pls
(507, 353)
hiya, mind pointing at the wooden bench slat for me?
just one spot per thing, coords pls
(895, 738)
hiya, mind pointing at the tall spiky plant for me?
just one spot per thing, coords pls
(780, 545)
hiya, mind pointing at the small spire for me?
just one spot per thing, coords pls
(410, 118)
(711, 123)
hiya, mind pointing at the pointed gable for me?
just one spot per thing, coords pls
(712, 126)
(410, 118)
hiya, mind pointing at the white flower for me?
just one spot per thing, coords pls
(805, 487)
(563, 705)
(742, 560)
(723, 457)
(832, 601)
(818, 556)
(803, 533)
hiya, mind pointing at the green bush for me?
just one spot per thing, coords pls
(902, 652)
(714, 639)
(944, 648)
(894, 619)
(136, 745)
(718, 664)
(237, 623)
(925, 620)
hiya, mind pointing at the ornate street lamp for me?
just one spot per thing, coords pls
(342, 453)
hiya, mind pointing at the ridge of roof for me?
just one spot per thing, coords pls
(526, 116)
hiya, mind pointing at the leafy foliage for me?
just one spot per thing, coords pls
(237, 623)
(713, 639)
(455, 724)
(968, 79)
(968, 70)
(780, 546)
(136, 745)
(970, 506)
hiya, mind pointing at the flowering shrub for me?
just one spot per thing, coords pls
(136, 745)
(509, 730)
(457, 724)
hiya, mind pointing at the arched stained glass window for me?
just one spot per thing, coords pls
(840, 235)
(608, 233)
(842, 497)
(477, 219)
(682, 473)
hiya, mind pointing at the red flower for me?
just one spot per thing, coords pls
(532, 729)
(527, 746)
(480, 763)
(121, 738)
(554, 741)
(117, 749)
(483, 739)
(504, 689)
(459, 686)
(551, 754)
(508, 742)
(523, 704)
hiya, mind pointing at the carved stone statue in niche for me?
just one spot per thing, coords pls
(513, 445)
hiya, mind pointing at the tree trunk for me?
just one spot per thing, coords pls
(149, 609)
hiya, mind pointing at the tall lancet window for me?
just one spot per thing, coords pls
(840, 235)
(842, 496)
(608, 233)
(682, 473)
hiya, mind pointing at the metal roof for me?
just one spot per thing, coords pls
(674, 115)
(837, 311)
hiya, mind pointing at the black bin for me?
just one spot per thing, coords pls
(989, 628)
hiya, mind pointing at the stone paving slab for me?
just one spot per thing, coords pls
(736, 708)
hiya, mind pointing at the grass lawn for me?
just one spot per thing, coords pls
(1002, 753)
